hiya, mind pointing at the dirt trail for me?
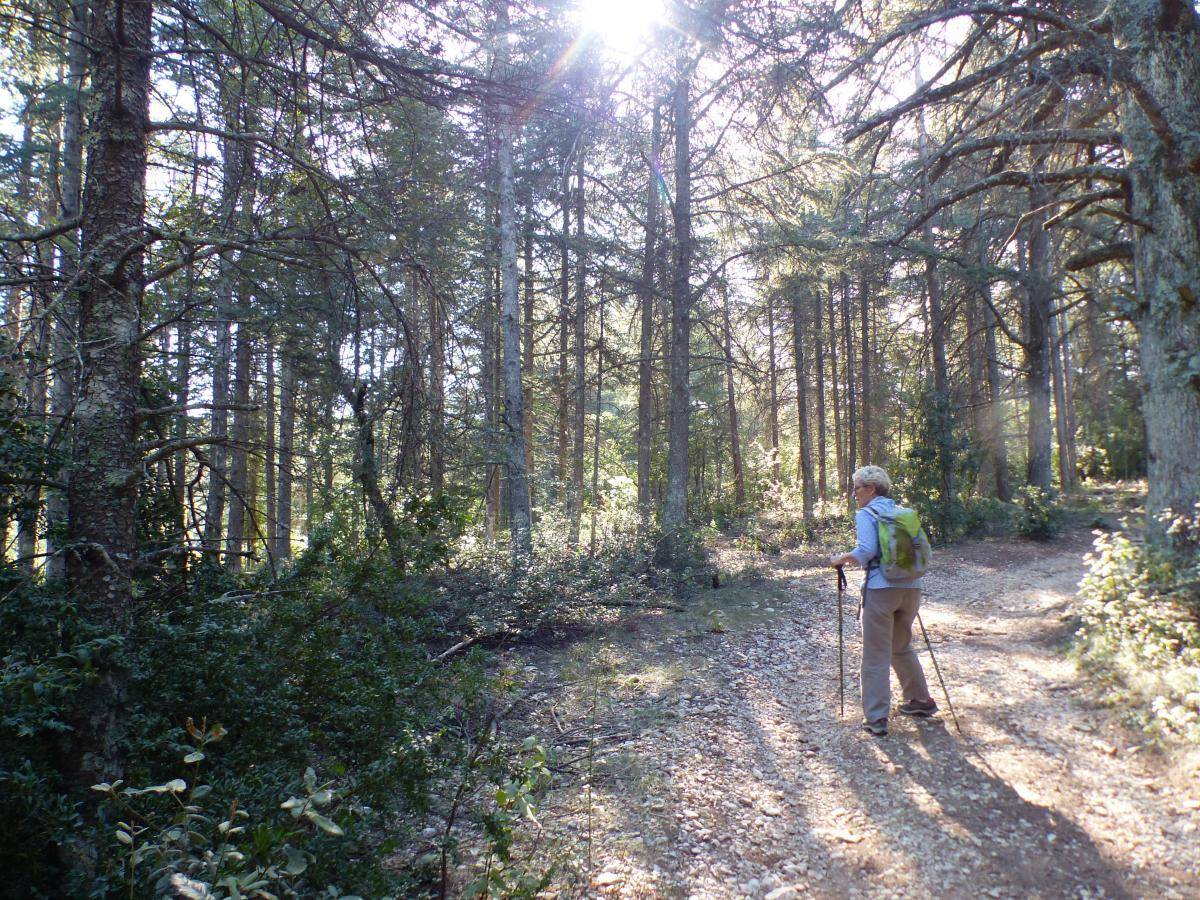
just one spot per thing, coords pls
(716, 765)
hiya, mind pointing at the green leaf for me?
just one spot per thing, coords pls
(326, 825)
(125, 838)
(310, 779)
(296, 862)
(194, 757)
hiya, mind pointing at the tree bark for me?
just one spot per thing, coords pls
(528, 351)
(102, 500)
(735, 444)
(287, 461)
(579, 407)
(491, 401)
(1066, 465)
(1039, 301)
(564, 335)
(646, 304)
(70, 190)
(819, 348)
(675, 506)
(239, 434)
(437, 394)
(773, 376)
(595, 499)
(864, 307)
(851, 393)
(1164, 41)
(510, 319)
(233, 176)
(843, 477)
(804, 462)
(270, 450)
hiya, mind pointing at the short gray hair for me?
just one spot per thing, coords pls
(874, 476)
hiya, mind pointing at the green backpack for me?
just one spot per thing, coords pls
(904, 551)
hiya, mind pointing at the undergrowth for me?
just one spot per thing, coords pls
(1140, 632)
(293, 734)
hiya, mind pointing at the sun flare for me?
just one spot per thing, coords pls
(623, 25)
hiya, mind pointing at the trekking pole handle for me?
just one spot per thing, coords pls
(841, 578)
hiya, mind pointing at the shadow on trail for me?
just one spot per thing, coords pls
(1035, 851)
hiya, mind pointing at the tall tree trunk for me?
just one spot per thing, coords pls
(1164, 40)
(239, 434)
(437, 394)
(941, 378)
(1040, 299)
(675, 507)
(819, 346)
(510, 320)
(102, 485)
(528, 350)
(646, 306)
(735, 444)
(1066, 465)
(29, 339)
(183, 364)
(843, 477)
(70, 190)
(595, 501)
(490, 407)
(366, 474)
(37, 345)
(997, 440)
(564, 335)
(270, 467)
(214, 509)
(287, 461)
(864, 306)
(1069, 394)
(578, 396)
(233, 175)
(851, 394)
(773, 376)
(804, 462)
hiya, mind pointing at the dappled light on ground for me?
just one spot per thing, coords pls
(719, 767)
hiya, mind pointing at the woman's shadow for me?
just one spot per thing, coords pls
(1023, 849)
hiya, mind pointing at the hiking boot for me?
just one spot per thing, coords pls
(877, 728)
(922, 709)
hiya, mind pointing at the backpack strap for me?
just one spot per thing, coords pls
(874, 561)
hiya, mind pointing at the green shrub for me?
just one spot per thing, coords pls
(328, 667)
(1040, 517)
(989, 516)
(1141, 627)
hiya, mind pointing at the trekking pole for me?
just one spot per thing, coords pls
(938, 669)
(841, 581)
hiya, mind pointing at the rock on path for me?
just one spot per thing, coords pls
(720, 768)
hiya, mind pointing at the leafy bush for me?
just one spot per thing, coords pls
(1141, 626)
(989, 516)
(329, 667)
(1040, 517)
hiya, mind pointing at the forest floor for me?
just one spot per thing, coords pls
(701, 754)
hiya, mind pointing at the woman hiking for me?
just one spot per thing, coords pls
(888, 611)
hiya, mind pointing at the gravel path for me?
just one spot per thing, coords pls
(703, 754)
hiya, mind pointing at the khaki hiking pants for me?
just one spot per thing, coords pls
(887, 619)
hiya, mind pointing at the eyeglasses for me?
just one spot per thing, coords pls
(858, 487)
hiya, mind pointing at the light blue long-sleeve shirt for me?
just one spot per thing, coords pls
(866, 551)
